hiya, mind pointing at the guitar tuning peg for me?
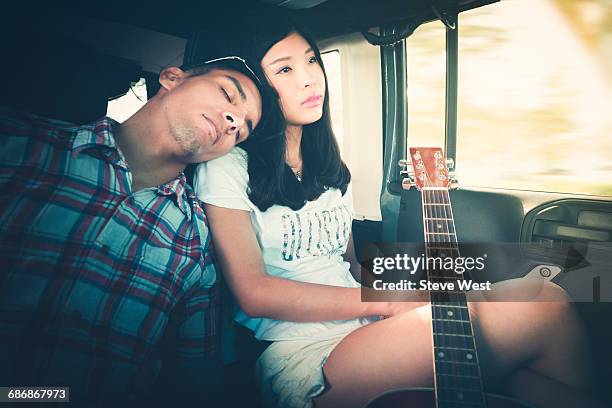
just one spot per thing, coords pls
(450, 164)
(404, 163)
(453, 184)
(407, 182)
(407, 172)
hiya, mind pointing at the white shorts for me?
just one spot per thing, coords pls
(290, 372)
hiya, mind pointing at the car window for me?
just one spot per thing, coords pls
(356, 106)
(534, 78)
(124, 106)
(426, 66)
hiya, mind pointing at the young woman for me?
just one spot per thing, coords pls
(281, 209)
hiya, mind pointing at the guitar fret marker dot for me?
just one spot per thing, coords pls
(469, 356)
(441, 354)
(460, 395)
(450, 313)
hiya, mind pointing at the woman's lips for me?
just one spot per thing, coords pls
(312, 101)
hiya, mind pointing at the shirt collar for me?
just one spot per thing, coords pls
(99, 136)
(179, 190)
(99, 133)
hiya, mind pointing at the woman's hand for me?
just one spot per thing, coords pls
(396, 308)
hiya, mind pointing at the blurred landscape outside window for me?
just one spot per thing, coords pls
(535, 95)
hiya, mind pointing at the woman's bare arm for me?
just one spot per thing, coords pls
(260, 294)
(351, 257)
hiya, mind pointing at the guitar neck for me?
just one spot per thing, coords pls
(458, 381)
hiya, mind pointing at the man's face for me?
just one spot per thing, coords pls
(208, 114)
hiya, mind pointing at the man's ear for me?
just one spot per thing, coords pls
(171, 77)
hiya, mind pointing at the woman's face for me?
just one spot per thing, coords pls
(294, 72)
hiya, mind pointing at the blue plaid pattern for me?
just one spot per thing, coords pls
(99, 285)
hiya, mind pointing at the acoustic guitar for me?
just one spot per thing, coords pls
(457, 377)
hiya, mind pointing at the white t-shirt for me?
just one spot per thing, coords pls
(305, 245)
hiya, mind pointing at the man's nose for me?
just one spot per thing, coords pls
(232, 122)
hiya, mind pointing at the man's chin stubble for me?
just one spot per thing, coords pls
(187, 140)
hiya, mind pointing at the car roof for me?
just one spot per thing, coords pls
(83, 53)
(326, 17)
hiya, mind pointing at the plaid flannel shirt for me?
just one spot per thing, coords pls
(99, 285)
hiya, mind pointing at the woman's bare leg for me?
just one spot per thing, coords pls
(391, 353)
(397, 352)
(535, 352)
(544, 336)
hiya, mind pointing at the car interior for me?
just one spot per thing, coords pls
(67, 60)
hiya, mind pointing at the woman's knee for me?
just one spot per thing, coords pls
(553, 293)
(556, 307)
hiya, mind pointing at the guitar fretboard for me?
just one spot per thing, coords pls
(458, 381)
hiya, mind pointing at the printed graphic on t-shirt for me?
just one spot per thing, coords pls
(315, 233)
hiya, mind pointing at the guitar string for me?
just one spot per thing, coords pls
(466, 329)
(441, 340)
(456, 298)
(426, 214)
(440, 210)
(429, 239)
(480, 396)
(468, 326)
(427, 206)
(441, 195)
(445, 240)
(436, 305)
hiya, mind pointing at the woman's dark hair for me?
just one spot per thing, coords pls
(271, 180)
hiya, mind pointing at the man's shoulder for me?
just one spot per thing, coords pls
(21, 127)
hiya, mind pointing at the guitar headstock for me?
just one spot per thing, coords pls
(429, 169)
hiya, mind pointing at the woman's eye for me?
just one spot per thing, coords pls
(313, 60)
(284, 70)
